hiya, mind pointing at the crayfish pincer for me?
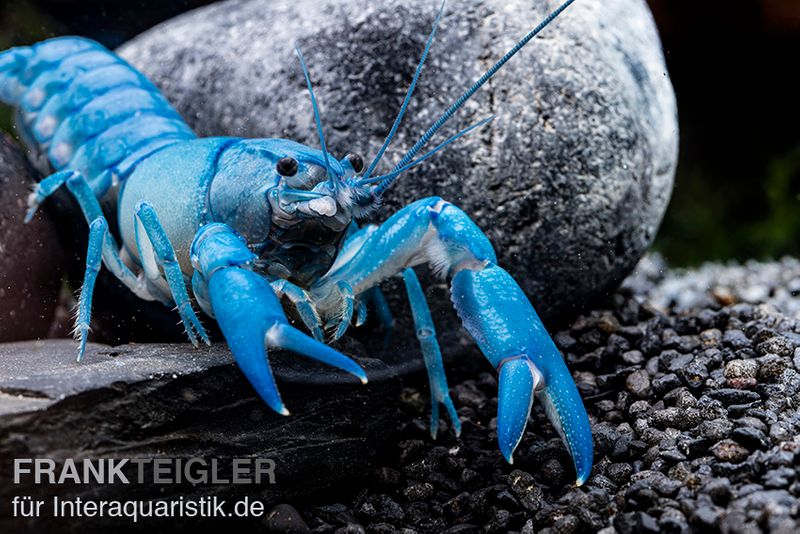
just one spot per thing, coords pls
(249, 222)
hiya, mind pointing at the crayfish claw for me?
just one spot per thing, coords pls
(192, 325)
(451, 412)
(284, 336)
(361, 312)
(302, 303)
(500, 318)
(518, 380)
(249, 313)
(345, 314)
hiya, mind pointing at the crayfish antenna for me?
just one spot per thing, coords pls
(317, 118)
(409, 94)
(460, 101)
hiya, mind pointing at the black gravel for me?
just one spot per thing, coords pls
(694, 420)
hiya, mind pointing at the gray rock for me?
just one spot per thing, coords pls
(683, 290)
(776, 345)
(638, 383)
(730, 396)
(571, 179)
(707, 517)
(771, 367)
(715, 429)
(31, 255)
(751, 438)
(525, 488)
(284, 518)
(741, 369)
(729, 451)
(418, 492)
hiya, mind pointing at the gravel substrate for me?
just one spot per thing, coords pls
(693, 414)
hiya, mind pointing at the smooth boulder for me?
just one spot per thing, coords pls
(571, 179)
(32, 257)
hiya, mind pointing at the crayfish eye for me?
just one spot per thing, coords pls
(286, 166)
(356, 161)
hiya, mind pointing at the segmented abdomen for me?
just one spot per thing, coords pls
(86, 108)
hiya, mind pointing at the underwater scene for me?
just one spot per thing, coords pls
(399, 266)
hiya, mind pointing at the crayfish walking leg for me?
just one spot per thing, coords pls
(426, 335)
(491, 306)
(155, 249)
(102, 246)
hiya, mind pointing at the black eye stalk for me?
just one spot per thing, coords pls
(356, 161)
(286, 166)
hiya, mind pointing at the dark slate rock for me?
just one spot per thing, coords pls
(707, 517)
(638, 383)
(751, 438)
(138, 401)
(729, 396)
(571, 179)
(31, 255)
(646, 524)
(284, 518)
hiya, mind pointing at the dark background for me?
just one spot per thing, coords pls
(734, 65)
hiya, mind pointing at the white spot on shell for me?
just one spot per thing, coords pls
(62, 153)
(35, 97)
(323, 205)
(47, 126)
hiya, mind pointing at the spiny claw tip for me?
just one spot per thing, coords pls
(204, 336)
(580, 481)
(508, 453)
(359, 372)
(284, 411)
(81, 337)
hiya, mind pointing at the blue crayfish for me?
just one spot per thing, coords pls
(251, 221)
